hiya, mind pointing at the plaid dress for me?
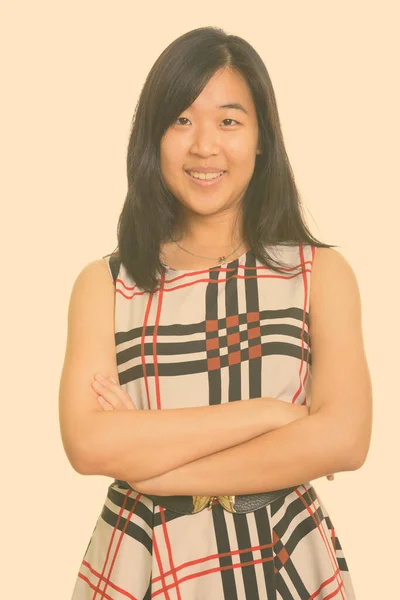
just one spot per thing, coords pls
(239, 330)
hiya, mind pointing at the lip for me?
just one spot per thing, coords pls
(205, 182)
(205, 169)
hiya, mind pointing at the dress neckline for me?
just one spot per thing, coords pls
(218, 266)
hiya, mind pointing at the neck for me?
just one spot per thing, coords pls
(219, 237)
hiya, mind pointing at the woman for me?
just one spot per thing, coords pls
(207, 301)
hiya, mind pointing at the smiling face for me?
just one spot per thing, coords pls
(206, 135)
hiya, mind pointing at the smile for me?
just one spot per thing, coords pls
(205, 182)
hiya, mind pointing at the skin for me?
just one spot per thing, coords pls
(209, 222)
(113, 397)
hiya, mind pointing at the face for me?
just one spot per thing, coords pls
(206, 135)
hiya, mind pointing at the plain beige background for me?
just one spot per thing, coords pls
(72, 73)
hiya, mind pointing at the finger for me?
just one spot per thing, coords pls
(124, 396)
(126, 399)
(104, 404)
(113, 393)
(102, 390)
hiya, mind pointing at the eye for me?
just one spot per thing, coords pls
(237, 122)
(180, 118)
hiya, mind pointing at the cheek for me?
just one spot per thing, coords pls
(172, 147)
(171, 163)
(238, 150)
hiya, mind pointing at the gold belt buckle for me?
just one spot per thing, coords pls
(227, 502)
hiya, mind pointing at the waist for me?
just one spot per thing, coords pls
(192, 504)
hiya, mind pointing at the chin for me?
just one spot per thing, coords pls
(200, 209)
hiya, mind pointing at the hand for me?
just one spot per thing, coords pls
(111, 395)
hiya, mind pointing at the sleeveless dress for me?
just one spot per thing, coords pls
(238, 330)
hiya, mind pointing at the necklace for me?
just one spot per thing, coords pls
(220, 258)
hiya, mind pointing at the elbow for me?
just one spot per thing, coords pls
(350, 462)
(92, 448)
(76, 455)
(82, 462)
(355, 456)
(358, 458)
(85, 466)
(80, 467)
(89, 460)
(98, 458)
(78, 442)
(361, 445)
(77, 461)
(81, 456)
(350, 445)
(94, 451)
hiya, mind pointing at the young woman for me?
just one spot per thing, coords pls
(187, 375)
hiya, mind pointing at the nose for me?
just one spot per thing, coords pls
(206, 140)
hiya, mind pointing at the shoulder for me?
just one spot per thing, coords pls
(95, 268)
(92, 297)
(335, 299)
(331, 268)
(94, 276)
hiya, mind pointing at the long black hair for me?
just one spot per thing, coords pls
(272, 210)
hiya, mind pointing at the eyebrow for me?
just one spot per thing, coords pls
(234, 105)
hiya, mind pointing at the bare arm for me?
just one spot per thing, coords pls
(298, 452)
(135, 445)
(334, 437)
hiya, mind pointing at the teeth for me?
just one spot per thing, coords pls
(204, 175)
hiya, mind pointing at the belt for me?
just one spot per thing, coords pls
(193, 504)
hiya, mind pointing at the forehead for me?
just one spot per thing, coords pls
(225, 87)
